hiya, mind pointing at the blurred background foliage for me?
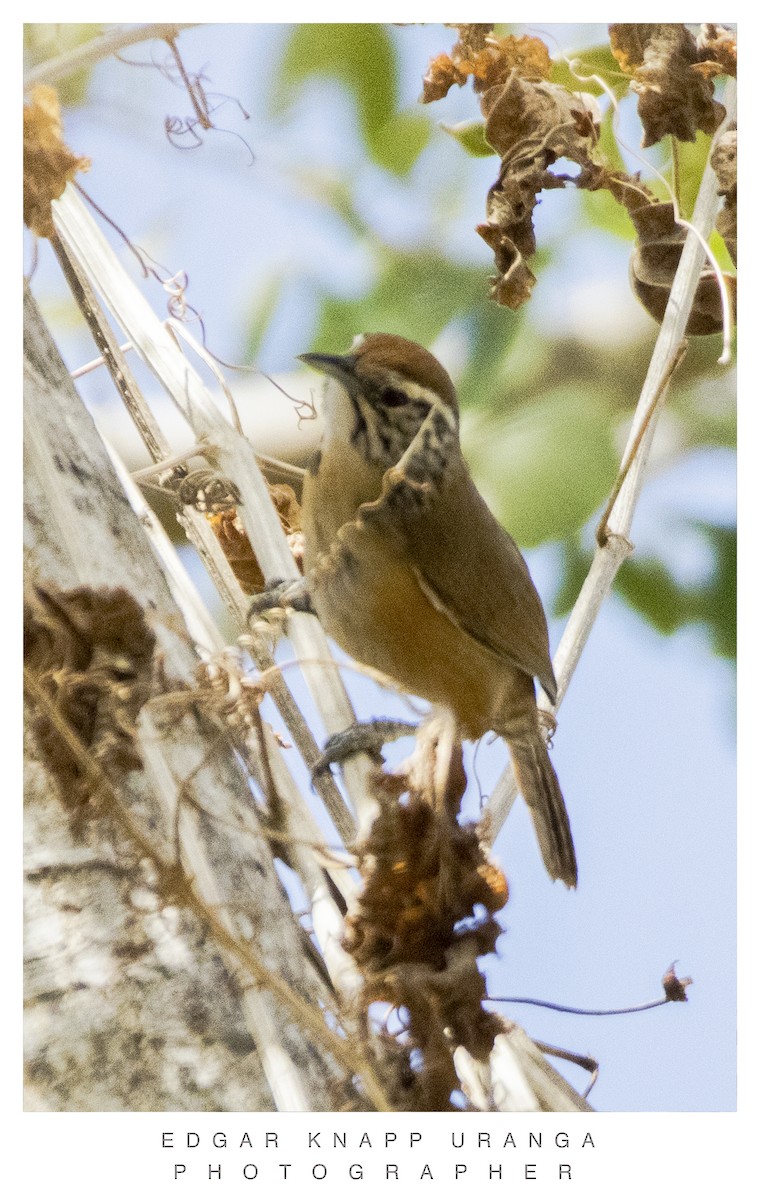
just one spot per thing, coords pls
(547, 411)
(547, 392)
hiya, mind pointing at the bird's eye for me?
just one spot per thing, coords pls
(392, 398)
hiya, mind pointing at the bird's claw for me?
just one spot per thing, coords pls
(363, 737)
(281, 594)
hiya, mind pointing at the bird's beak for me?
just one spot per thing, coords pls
(342, 366)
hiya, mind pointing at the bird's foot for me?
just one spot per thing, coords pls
(548, 724)
(281, 594)
(367, 736)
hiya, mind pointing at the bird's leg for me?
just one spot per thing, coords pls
(364, 736)
(281, 594)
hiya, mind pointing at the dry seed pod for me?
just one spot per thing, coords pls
(653, 267)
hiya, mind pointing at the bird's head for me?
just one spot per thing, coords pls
(381, 393)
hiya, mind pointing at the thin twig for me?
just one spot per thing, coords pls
(582, 1012)
(95, 363)
(193, 89)
(177, 328)
(147, 474)
(112, 353)
(602, 529)
(580, 1060)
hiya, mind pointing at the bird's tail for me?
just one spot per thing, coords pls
(540, 788)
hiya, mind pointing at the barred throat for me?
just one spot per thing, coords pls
(419, 435)
(434, 445)
(382, 433)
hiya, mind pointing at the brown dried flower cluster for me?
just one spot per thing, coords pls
(424, 917)
(91, 651)
(530, 123)
(49, 164)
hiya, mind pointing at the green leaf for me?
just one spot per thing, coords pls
(546, 467)
(602, 210)
(692, 158)
(361, 57)
(650, 588)
(397, 145)
(493, 332)
(415, 295)
(720, 252)
(598, 60)
(45, 41)
(716, 602)
(470, 135)
(608, 145)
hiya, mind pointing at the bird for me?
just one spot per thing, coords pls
(410, 572)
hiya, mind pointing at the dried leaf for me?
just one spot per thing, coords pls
(653, 267)
(490, 62)
(718, 45)
(724, 163)
(230, 532)
(470, 38)
(526, 55)
(628, 190)
(530, 124)
(675, 988)
(441, 74)
(49, 164)
(513, 284)
(286, 503)
(674, 96)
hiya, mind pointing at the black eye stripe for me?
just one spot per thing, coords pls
(393, 398)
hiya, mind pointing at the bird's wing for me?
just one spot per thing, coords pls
(469, 567)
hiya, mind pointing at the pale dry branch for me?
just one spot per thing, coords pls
(91, 257)
(302, 826)
(233, 455)
(83, 57)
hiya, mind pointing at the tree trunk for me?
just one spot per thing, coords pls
(134, 1000)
